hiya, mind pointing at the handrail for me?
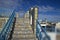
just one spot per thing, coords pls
(7, 28)
(39, 31)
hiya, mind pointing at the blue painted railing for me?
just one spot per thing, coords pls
(41, 32)
(7, 28)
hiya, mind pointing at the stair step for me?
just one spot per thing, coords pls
(23, 36)
(21, 39)
(22, 23)
(19, 21)
(22, 26)
(15, 32)
(19, 25)
(30, 29)
(22, 30)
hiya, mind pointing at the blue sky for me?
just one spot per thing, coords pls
(49, 9)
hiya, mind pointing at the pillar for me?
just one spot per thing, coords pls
(33, 17)
(17, 15)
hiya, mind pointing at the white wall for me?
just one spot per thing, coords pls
(58, 25)
(52, 35)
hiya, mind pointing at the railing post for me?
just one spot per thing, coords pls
(39, 34)
(10, 36)
(7, 27)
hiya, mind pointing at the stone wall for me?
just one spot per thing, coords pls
(2, 22)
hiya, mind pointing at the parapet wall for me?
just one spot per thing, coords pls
(2, 22)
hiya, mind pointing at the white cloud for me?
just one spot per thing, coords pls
(48, 8)
(54, 18)
(8, 3)
(45, 8)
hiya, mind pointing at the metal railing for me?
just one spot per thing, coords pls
(41, 32)
(4, 34)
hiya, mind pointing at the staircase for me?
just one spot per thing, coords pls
(23, 30)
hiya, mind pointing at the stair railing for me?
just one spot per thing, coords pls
(4, 34)
(40, 31)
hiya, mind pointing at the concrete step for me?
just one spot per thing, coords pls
(22, 39)
(19, 21)
(26, 32)
(23, 28)
(23, 32)
(25, 25)
(19, 25)
(24, 36)
(18, 33)
(22, 23)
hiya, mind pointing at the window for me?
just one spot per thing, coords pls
(49, 28)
